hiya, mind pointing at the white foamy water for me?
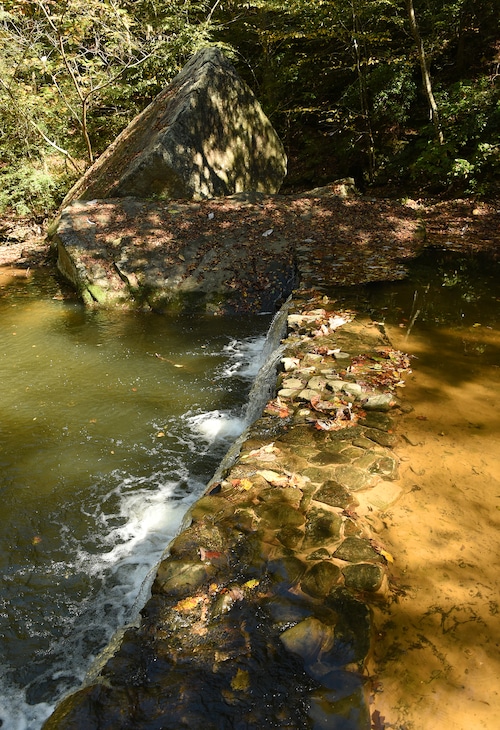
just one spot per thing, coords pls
(217, 425)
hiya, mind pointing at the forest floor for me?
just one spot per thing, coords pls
(435, 662)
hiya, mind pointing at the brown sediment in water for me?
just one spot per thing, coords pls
(436, 661)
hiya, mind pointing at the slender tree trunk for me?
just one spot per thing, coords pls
(426, 78)
(363, 94)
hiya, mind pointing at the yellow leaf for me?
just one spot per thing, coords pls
(246, 484)
(241, 681)
(187, 604)
(252, 583)
(386, 555)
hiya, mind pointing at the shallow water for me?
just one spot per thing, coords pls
(436, 657)
(111, 424)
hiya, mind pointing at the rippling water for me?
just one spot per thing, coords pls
(110, 425)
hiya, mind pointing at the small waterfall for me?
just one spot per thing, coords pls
(263, 385)
(265, 380)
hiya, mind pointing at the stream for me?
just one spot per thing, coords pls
(113, 423)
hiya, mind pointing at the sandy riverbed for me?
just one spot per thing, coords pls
(436, 664)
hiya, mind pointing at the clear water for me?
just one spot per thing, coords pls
(111, 423)
(436, 659)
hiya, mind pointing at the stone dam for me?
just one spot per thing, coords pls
(259, 614)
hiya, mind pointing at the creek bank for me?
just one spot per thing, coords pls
(260, 609)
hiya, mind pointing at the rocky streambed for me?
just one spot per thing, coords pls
(259, 613)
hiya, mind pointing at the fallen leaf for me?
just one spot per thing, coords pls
(277, 480)
(241, 681)
(378, 721)
(380, 550)
(252, 583)
(187, 604)
(209, 554)
(386, 555)
(323, 425)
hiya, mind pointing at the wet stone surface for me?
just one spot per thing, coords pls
(260, 613)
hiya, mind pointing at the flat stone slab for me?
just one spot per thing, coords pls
(242, 253)
(131, 253)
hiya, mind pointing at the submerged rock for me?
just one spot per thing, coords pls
(363, 576)
(355, 549)
(320, 579)
(309, 639)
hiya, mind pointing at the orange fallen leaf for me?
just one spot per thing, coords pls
(187, 604)
(209, 554)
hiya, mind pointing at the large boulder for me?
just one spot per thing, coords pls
(205, 135)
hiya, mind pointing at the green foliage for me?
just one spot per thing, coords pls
(340, 80)
(31, 191)
(469, 161)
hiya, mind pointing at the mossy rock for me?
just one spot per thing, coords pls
(286, 571)
(279, 515)
(334, 494)
(363, 576)
(320, 579)
(356, 550)
(322, 527)
(210, 507)
(181, 577)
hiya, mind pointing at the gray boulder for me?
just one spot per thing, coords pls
(205, 135)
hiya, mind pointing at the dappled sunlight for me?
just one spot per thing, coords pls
(468, 360)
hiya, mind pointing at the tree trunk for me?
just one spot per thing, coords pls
(426, 78)
(363, 95)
